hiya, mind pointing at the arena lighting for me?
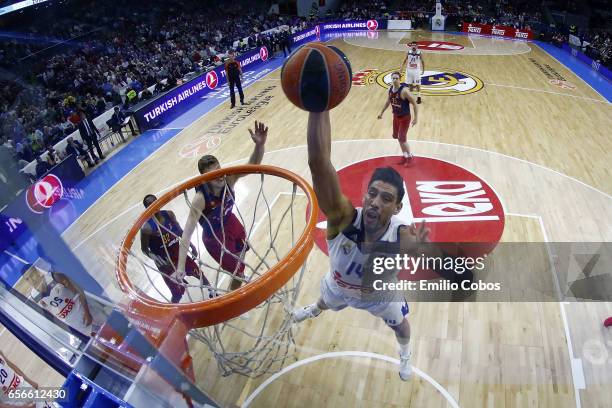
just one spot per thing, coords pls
(20, 6)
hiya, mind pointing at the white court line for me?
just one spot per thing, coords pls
(235, 162)
(524, 215)
(472, 41)
(449, 398)
(578, 381)
(545, 91)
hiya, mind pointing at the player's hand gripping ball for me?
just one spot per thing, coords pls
(316, 77)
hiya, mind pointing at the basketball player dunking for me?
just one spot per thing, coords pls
(222, 233)
(350, 231)
(414, 69)
(400, 101)
(159, 240)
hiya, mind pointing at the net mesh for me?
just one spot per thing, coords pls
(267, 214)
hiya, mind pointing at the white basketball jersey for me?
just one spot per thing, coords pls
(414, 59)
(9, 380)
(345, 257)
(65, 305)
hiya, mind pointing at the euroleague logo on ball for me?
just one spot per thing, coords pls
(44, 193)
(263, 53)
(456, 205)
(372, 25)
(212, 80)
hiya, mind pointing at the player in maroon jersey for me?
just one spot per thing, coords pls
(223, 234)
(159, 240)
(400, 101)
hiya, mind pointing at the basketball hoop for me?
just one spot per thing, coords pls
(271, 281)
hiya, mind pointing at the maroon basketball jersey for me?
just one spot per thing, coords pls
(400, 106)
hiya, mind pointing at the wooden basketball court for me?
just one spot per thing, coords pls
(538, 134)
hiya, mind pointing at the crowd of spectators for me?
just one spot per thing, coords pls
(599, 47)
(95, 58)
(116, 56)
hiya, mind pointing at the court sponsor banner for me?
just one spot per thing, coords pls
(165, 107)
(497, 30)
(350, 25)
(304, 36)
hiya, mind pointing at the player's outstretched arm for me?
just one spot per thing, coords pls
(259, 135)
(195, 211)
(336, 207)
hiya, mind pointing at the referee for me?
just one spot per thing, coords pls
(233, 72)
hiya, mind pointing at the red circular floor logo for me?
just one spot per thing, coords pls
(372, 24)
(44, 193)
(372, 35)
(456, 204)
(263, 53)
(200, 147)
(212, 80)
(438, 46)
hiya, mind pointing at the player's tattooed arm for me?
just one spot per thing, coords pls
(333, 203)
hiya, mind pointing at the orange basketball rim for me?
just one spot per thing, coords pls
(233, 304)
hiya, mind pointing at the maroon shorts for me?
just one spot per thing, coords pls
(191, 269)
(227, 247)
(400, 127)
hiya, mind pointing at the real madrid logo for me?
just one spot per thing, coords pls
(433, 83)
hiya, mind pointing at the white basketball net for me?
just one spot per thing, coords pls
(260, 341)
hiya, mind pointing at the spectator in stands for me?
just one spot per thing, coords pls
(42, 167)
(52, 156)
(90, 133)
(76, 148)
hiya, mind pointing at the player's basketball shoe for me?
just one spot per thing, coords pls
(306, 312)
(608, 322)
(418, 100)
(405, 370)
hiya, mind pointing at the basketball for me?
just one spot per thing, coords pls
(316, 77)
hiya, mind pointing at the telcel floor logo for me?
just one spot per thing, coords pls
(433, 82)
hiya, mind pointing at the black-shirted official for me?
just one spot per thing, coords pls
(89, 133)
(233, 72)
